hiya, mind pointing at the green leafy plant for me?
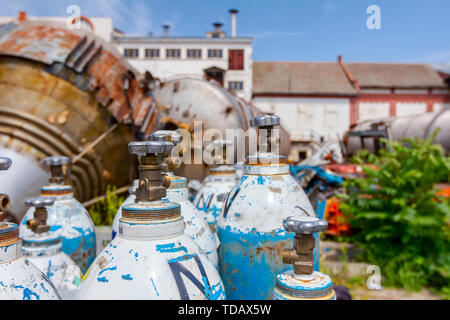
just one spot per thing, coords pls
(398, 218)
(103, 211)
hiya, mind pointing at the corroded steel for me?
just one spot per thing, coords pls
(397, 128)
(185, 100)
(62, 90)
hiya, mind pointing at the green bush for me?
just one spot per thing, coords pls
(103, 212)
(397, 216)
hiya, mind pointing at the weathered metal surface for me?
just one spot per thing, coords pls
(68, 219)
(417, 126)
(152, 257)
(20, 279)
(60, 91)
(250, 224)
(210, 198)
(318, 286)
(45, 252)
(251, 233)
(185, 100)
(303, 282)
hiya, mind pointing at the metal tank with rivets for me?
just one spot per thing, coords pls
(19, 279)
(210, 198)
(67, 217)
(44, 250)
(250, 224)
(152, 257)
(303, 283)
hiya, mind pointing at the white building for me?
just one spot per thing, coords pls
(215, 56)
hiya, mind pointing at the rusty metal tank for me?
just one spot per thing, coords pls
(183, 100)
(416, 126)
(67, 92)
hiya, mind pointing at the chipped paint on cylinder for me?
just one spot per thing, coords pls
(251, 232)
(19, 278)
(152, 260)
(206, 198)
(317, 286)
(196, 226)
(71, 221)
(45, 252)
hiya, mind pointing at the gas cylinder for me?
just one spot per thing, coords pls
(128, 200)
(67, 217)
(303, 283)
(19, 278)
(250, 224)
(151, 257)
(210, 198)
(196, 226)
(44, 250)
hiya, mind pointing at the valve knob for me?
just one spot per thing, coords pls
(40, 202)
(265, 121)
(150, 147)
(166, 135)
(5, 163)
(305, 225)
(57, 161)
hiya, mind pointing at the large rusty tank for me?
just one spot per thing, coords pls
(365, 135)
(67, 92)
(183, 100)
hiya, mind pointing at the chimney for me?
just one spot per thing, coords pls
(166, 30)
(22, 16)
(217, 26)
(233, 13)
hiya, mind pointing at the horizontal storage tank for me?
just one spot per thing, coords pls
(184, 100)
(417, 126)
(67, 92)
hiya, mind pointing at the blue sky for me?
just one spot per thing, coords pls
(283, 30)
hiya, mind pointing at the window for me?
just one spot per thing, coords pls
(236, 59)
(152, 53)
(214, 53)
(131, 52)
(173, 53)
(194, 53)
(235, 85)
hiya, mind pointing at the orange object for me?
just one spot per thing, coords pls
(337, 223)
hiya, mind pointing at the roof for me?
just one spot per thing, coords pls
(303, 78)
(170, 39)
(394, 75)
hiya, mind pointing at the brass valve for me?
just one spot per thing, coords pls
(58, 168)
(301, 256)
(152, 183)
(39, 222)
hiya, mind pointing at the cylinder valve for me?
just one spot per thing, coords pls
(39, 222)
(152, 184)
(303, 282)
(58, 167)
